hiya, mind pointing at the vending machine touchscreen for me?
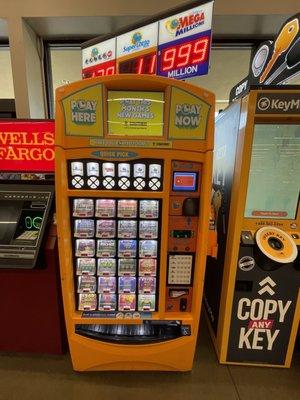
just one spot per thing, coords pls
(133, 173)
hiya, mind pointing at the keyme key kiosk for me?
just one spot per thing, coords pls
(133, 182)
(252, 289)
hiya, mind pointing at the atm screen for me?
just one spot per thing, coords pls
(274, 179)
(134, 113)
(19, 225)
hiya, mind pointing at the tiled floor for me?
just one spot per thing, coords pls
(24, 377)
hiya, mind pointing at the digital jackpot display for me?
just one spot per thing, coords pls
(176, 45)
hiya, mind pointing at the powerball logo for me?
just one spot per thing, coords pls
(178, 26)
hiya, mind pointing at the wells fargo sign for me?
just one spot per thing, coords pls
(27, 146)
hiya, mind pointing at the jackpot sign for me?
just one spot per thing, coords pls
(27, 146)
(176, 46)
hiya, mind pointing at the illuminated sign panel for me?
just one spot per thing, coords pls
(99, 60)
(137, 40)
(135, 113)
(27, 146)
(184, 43)
(176, 46)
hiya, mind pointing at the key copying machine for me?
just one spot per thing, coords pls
(251, 296)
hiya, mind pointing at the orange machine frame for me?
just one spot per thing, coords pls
(248, 117)
(177, 354)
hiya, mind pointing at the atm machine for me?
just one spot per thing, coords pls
(133, 183)
(30, 293)
(251, 293)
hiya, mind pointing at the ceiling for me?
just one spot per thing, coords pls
(233, 27)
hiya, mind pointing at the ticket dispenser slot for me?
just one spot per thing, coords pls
(179, 299)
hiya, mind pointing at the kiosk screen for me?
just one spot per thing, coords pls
(134, 113)
(274, 179)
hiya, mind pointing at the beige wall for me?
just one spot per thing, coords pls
(66, 66)
(31, 8)
(6, 80)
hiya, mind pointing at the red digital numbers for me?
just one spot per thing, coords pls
(104, 69)
(190, 53)
(104, 72)
(145, 64)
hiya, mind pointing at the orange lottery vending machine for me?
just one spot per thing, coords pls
(133, 187)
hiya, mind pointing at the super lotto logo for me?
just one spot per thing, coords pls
(83, 112)
(137, 42)
(181, 25)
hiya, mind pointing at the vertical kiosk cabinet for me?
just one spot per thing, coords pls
(252, 288)
(133, 182)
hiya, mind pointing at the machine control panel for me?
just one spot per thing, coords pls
(183, 227)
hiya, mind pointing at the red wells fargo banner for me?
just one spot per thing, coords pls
(27, 146)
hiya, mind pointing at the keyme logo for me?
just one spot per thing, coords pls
(278, 103)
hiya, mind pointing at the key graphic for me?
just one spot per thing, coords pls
(292, 59)
(282, 43)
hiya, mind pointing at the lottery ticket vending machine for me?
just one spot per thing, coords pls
(133, 181)
(252, 288)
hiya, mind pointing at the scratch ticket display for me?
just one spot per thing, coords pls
(127, 229)
(84, 228)
(127, 284)
(148, 249)
(127, 208)
(106, 248)
(149, 209)
(105, 208)
(106, 228)
(146, 302)
(85, 266)
(147, 267)
(83, 208)
(107, 302)
(127, 302)
(87, 302)
(148, 229)
(106, 267)
(85, 248)
(127, 267)
(127, 248)
(147, 285)
(86, 284)
(106, 284)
